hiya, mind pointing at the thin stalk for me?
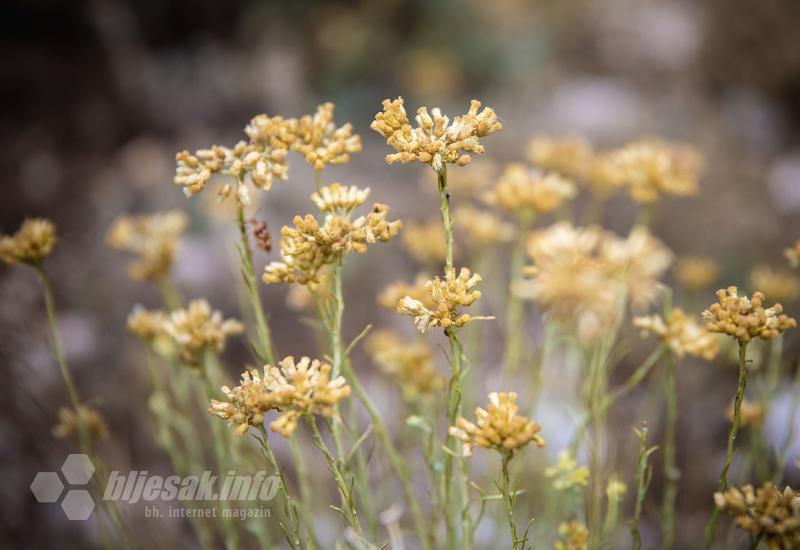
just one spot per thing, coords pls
(305, 490)
(783, 456)
(643, 476)
(292, 531)
(515, 309)
(348, 509)
(447, 218)
(262, 329)
(711, 528)
(671, 472)
(509, 493)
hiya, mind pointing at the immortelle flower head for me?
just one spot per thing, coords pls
(436, 140)
(573, 535)
(321, 142)
(418, 290)
(767, 513)
(696, 272)
(482, 228)
(522, 190)
(294, 389)
(152, 238)
(682, 334)
(792, 254)
(570, 157)
(423, 242)
(566, 474)
(197, 329)
(751, 413)
(652, 168)
(779, 285)
(69, 423)
(446, 296)
(411, 364)
(309, 246)
(497, 427)
(31, 244)
(746, 318)
(149, 326)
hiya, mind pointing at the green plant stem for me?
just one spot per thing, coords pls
(262, 329)
(643, 476)
(711, 528)
(306, 506)
(348, 509)
(447, 218)
(508, 496)
(515, 308)
(671, 472)
(292, 531)
(783, 456)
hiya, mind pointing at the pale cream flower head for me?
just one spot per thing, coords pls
(447, 295)
(566, 474)
(746, 318)
(197, 329)
(246, 403)
(682, 334)
(497, 427)
(696, 272)
(436, 140)
(574, 535)
(149, 326)
(411, 364)
(336, 197)
(482, 228)
(766, 513)
(321, 142)
(522, 190)
(570, 157)
(152, 238)
(780, 285)
(424, 243)
(31, 244)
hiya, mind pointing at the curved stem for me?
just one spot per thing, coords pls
(290, 509)
(671, 472)
(508, 497)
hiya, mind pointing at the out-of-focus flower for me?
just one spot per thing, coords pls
(521, 190)
(418, 290)
(435, 141)
(309, 246)
(765, 513)
(651, 168)
(793, 254)
(615, 489)
(31, 244)
(745, 318)
(301, 297)
(410, 363)
(424, 242)
(696, 273)
(752, 413)
(199, 328)
(149, 326)
(152, 238)
(497, 427)
(566, 474)
(468, 182)
(682, 334)
(447, 295)
(573, 535)
(779, 285)
(570, 157)
(69, 423)
(321, 142)
(483, 229)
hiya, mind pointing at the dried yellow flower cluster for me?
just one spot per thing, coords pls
(410, 363)
(682, 334)
(744, 318)
(525, 191)
(263, 156)
(423, 242)
(322, 142)
(153, 238)
(766, 513)
(69, 422)
(497, 427)
(751, 413)
(482, 228)
(651, 168)
(582, 276)
(309, 246)
(570, 157)
(188, 332)
(574, 535)
(793, 254)
(32, 243)
(779, 285)
(294, 390)
(435, 141)
(696, 273)
(566, 474)
(418, 290)
(446, 295)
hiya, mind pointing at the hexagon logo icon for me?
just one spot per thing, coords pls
(47, 487)
(78, 504)
(77, 469)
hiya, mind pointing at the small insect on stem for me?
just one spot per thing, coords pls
(261, 235)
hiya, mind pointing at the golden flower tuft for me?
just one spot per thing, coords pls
(497, 427)
(446, 296)
(418, 290)
(573, 535)
(696, 272)
(321, 142)
(482, 228)
(566, 474)
(778, 285)
(746, 318)
(436, 140)
(521, 190)
(682, 334)
(766, 513)
(31, 244)
(152, 238)
(69, 423)
(570, 157)
(197, 329)
(424, 242)
(410, 363)
(339, 198)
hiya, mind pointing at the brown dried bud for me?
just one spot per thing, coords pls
(261, 235)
